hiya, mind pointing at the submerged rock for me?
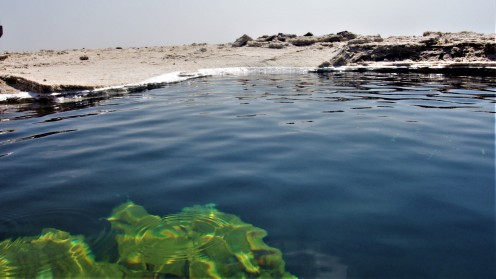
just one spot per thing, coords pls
(54, 254)
(199, 242)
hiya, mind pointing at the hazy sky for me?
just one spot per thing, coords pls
(67, 24)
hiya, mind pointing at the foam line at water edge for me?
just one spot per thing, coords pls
(158, 81)
(174, 77)
(236, 71)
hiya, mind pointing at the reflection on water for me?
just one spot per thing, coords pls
(352, 174)
(335, 87)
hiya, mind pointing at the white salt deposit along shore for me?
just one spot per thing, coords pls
(52, 73)
(161, 80)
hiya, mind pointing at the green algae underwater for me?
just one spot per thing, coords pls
(198, 242)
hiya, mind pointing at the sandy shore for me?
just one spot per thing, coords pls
(71, 70)
(111, 66)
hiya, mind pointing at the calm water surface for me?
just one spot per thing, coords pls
(353, 175)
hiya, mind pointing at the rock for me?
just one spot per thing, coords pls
(285, 37)
(242, 41)
(277, 45)
(256, 44)
(268, 38)
(391, 52)
(303, 41)
(339, 37)
(271, 38)
(198, 242)
(431, 33)
(431, 40)
(83, 57)
(61, 255)
(347, 35)
(325, 64)
(490, 51)
(341, 59)
(23, 84)
(357, 49)
(331, 38)
(365, 40)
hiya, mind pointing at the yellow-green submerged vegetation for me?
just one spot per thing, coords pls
(54, 254)
(198, 242)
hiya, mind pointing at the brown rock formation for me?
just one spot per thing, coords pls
(274, 41)
(242, 41)
(432, 47)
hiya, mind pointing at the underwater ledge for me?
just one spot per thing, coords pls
(61, 92)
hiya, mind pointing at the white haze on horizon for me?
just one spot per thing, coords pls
(62, 24)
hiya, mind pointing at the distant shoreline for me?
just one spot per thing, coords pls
(47, 71)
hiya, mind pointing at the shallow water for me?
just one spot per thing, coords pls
(352, 174)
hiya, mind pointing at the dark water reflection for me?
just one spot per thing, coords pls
(352, 174)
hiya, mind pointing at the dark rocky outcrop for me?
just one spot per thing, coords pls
(431, 47)
(242, 41)
(281, 37)
(414, 52)
(331, 38)
(274, 41)
(346, 35)
(351, 49)
(278, 45)
(304, 41)
(365, 40)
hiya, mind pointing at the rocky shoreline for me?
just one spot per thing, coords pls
(49, 71)
(362, 49)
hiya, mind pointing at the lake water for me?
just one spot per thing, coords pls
(353, 175)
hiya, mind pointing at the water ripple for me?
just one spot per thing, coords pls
(180, 227)
(372, 156)
(37, 136)
(60, 118)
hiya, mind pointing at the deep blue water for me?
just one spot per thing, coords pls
(353, 175)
